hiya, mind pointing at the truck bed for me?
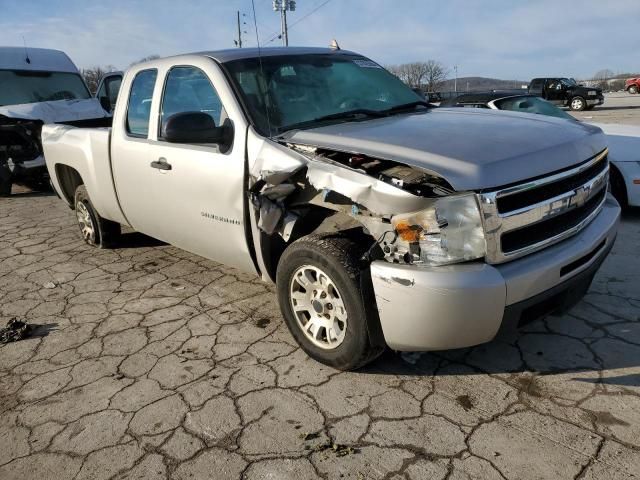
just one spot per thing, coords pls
(85, 150)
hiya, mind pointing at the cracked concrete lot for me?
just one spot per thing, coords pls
(152, 363)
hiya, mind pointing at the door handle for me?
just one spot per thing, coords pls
(161, 164)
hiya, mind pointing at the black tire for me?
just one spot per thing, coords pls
(104, 233)
(577, 104)
(5, 181)
(338, 256)
(618, 187)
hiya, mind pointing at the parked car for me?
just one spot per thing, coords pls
(507, 100)
(107, 92)
(623, 140)
(632, 85)
(566, 92)
(382, 222)
(37, 85)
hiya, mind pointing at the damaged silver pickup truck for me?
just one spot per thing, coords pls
(383, 222)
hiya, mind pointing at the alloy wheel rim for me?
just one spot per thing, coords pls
(318, 307)
(86, 222)
(576, 104)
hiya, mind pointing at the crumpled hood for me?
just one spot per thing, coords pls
(56, 111)
(472, 149)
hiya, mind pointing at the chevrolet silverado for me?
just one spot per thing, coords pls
(382, 221)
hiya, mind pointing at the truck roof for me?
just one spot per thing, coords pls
(223, 56)
(36, 59)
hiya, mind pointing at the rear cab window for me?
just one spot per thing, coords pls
(139, 105)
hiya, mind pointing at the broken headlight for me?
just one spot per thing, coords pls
(450, 231)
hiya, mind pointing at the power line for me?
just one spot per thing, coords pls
(311, 12)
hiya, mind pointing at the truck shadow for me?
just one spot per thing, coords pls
(138, 240)
(536, 350)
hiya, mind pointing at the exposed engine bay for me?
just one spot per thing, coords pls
(19, 139)
(396, 205)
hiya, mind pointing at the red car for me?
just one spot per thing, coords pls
(632, 85)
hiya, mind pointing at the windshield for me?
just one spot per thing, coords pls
(286, 91)
(569, 82)
(531, 105)
(19, 86)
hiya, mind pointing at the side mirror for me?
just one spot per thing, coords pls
(105, 103)
(197, 127)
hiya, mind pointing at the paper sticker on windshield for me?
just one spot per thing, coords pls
(366, 63)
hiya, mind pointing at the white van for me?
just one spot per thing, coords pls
(37, 86)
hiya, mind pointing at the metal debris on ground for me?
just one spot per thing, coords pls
(14, 331)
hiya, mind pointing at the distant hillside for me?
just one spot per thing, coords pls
(474, 84)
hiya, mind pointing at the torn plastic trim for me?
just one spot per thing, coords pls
(377, 196)
(286, 179)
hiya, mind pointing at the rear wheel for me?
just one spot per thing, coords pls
(327, 307)
(633, 89)
(96, 231)
(578, 104)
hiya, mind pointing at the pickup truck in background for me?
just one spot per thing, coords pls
(567, 93)
(382, 221)
(38, 86)
(632, 85)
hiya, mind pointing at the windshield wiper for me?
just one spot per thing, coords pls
(348, 114)
(405, 106)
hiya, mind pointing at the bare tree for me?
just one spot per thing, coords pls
(435, 75)
(430, 74)
(601, 78)
(93, 75)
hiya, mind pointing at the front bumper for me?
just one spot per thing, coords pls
(29, 169)
(456, 306)
(595, 101)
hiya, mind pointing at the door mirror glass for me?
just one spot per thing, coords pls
(196, 127)
(105, 103)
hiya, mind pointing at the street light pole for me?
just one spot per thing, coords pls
(239, 32)
(282, 6)
(455, 82)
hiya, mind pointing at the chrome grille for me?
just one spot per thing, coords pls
(522, 219)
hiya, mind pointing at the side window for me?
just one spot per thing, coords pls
(102, 91)
(187, 89)
(113, 87)
(139, 107)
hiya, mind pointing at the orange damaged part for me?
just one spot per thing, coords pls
(408, 233)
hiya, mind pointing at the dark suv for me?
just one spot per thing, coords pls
(566, 92)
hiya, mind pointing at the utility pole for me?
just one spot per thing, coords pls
(455, 82)
(239, 42)
(282, 6)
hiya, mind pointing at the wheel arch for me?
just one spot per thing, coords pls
(68, 180)
(618, 182)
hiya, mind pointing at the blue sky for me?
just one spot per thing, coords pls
(496, 38)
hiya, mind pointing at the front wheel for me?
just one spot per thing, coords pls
(633, 90)
(326, 302)
(578, 104)
(96, 231)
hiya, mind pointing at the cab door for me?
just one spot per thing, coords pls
(194, 194)
(555, 91)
